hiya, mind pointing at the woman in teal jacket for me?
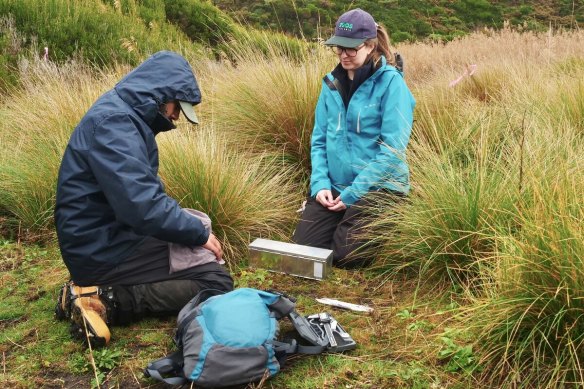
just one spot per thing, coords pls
(362, 127)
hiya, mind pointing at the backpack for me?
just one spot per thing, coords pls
(231, 339)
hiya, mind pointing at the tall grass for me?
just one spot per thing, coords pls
(469, 145)
(444, 229)
(35, 124)
(490, 50)
(266, 102)
(246, 196)
(531, 322)
(497, 201)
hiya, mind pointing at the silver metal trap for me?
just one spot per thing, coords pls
(289, 258)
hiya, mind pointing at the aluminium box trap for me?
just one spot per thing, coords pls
(290, 258)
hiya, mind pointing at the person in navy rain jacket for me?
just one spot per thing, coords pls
(362, 127)
(114, 220)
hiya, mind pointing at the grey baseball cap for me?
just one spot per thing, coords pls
(353, 28)
(189, 111)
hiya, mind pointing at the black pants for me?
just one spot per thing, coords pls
(338, 231)
(142, 286)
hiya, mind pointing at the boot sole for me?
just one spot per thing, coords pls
(98, 332)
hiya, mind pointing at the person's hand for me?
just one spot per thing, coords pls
(338, 205)
(214, 245)
(325, 198)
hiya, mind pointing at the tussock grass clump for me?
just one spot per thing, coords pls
(531, 322)
(35, 125)
(245, 197)
(445, 120)
(266, 104)
(444, 229)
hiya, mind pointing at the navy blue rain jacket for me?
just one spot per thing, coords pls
(109, 195)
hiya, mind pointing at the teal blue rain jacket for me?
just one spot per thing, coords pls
(363, 148)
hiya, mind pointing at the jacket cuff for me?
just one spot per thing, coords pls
(348, 197)
(318, 187)
(202, 238)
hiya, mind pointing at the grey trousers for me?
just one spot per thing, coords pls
(142, 285)
(339, 231)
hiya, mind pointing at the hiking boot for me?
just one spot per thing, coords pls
(63, 306)
(84, 308)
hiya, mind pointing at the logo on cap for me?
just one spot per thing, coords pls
(346, 26)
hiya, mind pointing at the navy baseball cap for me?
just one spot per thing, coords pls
(353, 28)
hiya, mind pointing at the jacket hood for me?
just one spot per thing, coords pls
(163, 77)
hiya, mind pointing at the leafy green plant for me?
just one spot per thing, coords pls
(457, 357)
(103, 360)
(405, 314)
(420, 325)
(257, 278)
(107, 358)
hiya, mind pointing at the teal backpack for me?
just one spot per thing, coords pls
(231, 339)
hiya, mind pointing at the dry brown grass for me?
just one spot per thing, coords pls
(495, 50)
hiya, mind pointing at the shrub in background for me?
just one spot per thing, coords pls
(96, 31)
(200, 21)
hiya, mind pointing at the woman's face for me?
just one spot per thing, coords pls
(353, 63)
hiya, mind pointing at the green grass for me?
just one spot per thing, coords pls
(38, 351)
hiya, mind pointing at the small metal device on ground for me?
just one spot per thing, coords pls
(290, 258)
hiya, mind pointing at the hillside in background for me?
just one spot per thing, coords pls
(106, 32)
(126, 31)
(406, 19)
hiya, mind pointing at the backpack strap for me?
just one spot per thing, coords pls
(399, 62)
(294, 348)
(171, 364)
(283, 305)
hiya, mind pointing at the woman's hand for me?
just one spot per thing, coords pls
(338, 205)
(325, 198)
